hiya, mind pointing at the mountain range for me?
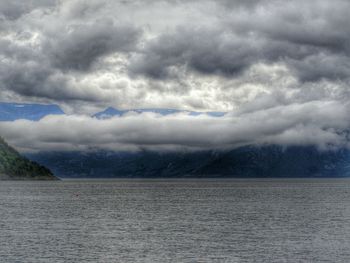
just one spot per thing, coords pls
(250, 161)
(35, 112)
(110, 112)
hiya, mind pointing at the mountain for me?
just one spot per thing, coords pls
(33, 112)
(111, 112)
(13, 166)
(267, 161)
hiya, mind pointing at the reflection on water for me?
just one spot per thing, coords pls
(301, 220)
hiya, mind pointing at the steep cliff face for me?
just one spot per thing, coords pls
(13, 166)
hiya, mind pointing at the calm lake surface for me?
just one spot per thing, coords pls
(290, 220)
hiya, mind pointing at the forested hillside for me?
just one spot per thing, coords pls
(15, 166)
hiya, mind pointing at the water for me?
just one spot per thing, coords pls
(302, 220)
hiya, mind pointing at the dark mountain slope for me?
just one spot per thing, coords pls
(268, 161)
(16, 167)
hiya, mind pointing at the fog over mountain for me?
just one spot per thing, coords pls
(313, 123)
(280, 69)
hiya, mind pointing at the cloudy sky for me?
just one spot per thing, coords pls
(280, 68)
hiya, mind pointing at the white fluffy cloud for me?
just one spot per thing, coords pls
(321, 123)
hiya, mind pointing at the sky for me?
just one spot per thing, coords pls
(281, 69)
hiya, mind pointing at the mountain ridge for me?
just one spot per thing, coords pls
(29, 111)
(267, 161)
(111, 112)
(11, 111)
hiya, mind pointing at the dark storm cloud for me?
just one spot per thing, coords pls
(322, 66)
(295, 33)
(82, 44)
(206, 51)
(13, 9)
(211, 52)
(22, 69)
(25, 78)
(27, 72)
(311, 38)
(39, 69)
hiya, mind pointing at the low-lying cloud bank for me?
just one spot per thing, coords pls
(324, 124)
